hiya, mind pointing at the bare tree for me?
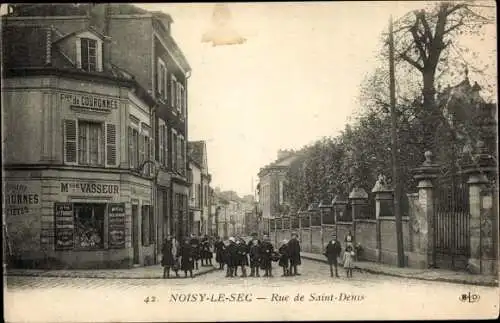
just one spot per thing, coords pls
(423, 38)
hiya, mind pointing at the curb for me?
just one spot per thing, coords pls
(92, 276)
(446, 280)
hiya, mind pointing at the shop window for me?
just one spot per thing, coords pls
(89, 225)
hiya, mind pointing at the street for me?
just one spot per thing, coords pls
(151, 299)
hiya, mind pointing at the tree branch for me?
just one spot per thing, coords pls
(412, 62)
(458, 24)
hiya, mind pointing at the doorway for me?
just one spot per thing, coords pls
(135, 232)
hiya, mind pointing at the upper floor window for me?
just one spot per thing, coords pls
(89, 54)
(162, 79)
(90, 143)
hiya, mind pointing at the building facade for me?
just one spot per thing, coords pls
(95, 154)
(272, 187)
(197, 151)
(195, 198)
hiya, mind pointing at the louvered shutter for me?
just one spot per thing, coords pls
(151, 154)
(130, 148)
(78, 53)
(161, 141)
(159, 84)
(70, 141)
(179, 154)
(141, 150)
(172, 91)
(111, 157)
(165, 143)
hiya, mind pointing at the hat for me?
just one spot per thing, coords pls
(232, 239)
(294, 234)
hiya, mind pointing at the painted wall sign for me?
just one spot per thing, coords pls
(89, 101)
(21, 198)
(116, 225)
(90, 188)
(64, 226)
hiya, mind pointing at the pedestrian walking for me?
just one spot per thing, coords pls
(332, 253)
(267, 250)
(254, 258)
(294, 254)
(348, 260)
(219, 252)
(231, 255)
(195, 245)
(284, 257)
(168, 259)
(242, 256)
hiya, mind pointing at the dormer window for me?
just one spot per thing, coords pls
(89, 54)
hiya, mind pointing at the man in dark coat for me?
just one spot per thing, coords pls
(242, 256)
(195, 245)
(219, 252)
(332, 253)
(231, 258)
(266, 250)
(294, 254)
(254, 252)
(187, 258)
(168, 258)
(206, 255)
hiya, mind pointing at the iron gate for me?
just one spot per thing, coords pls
(451, 223)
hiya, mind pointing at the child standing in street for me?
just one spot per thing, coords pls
(284, 257)
(348, 261)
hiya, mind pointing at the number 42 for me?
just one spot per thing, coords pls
(150, 299)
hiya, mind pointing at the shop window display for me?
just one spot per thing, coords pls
(89, 226)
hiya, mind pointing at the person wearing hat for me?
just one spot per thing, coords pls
(242, 254)
(219, 252)
(332, 253)
(284, 256)
(231, 255)
(294, 254)
(266, 251)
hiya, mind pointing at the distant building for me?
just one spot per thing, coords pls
(272, 187)
(200, 187)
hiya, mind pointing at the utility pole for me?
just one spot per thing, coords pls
(395, 150)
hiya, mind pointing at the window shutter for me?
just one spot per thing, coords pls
(78, 53)
(179, 154)
(111, 144)
(159, 84)
(165, 85)
(70, 141)
(141, 150)
(172, 91)
(130, 148)
(151, 154)
(165, 146)
(161, 140)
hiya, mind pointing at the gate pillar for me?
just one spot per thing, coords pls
(423, 224)
(384, 206)
(483, 194)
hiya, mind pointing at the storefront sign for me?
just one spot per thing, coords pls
(116, 227)
(21, 198)
(89, 101)
(64, 225)
(90, 188)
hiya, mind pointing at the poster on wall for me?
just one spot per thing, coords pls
(116, 218)
(64, 226)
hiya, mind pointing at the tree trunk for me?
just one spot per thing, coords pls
(431, 111)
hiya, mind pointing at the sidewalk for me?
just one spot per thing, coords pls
(149, 272)
(415, 273)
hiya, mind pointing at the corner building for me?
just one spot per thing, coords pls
(84, 145)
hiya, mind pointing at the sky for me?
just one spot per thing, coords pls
(296, 78)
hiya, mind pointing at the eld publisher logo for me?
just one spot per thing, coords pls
(469, 298)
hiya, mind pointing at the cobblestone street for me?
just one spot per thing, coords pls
(59, 295)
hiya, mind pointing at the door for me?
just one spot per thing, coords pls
(135, 232)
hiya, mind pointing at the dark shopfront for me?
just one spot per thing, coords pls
(100, 220)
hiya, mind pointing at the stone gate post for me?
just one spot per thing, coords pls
(425, 175)
(359, 199)
(384, 206)
(483, 199)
